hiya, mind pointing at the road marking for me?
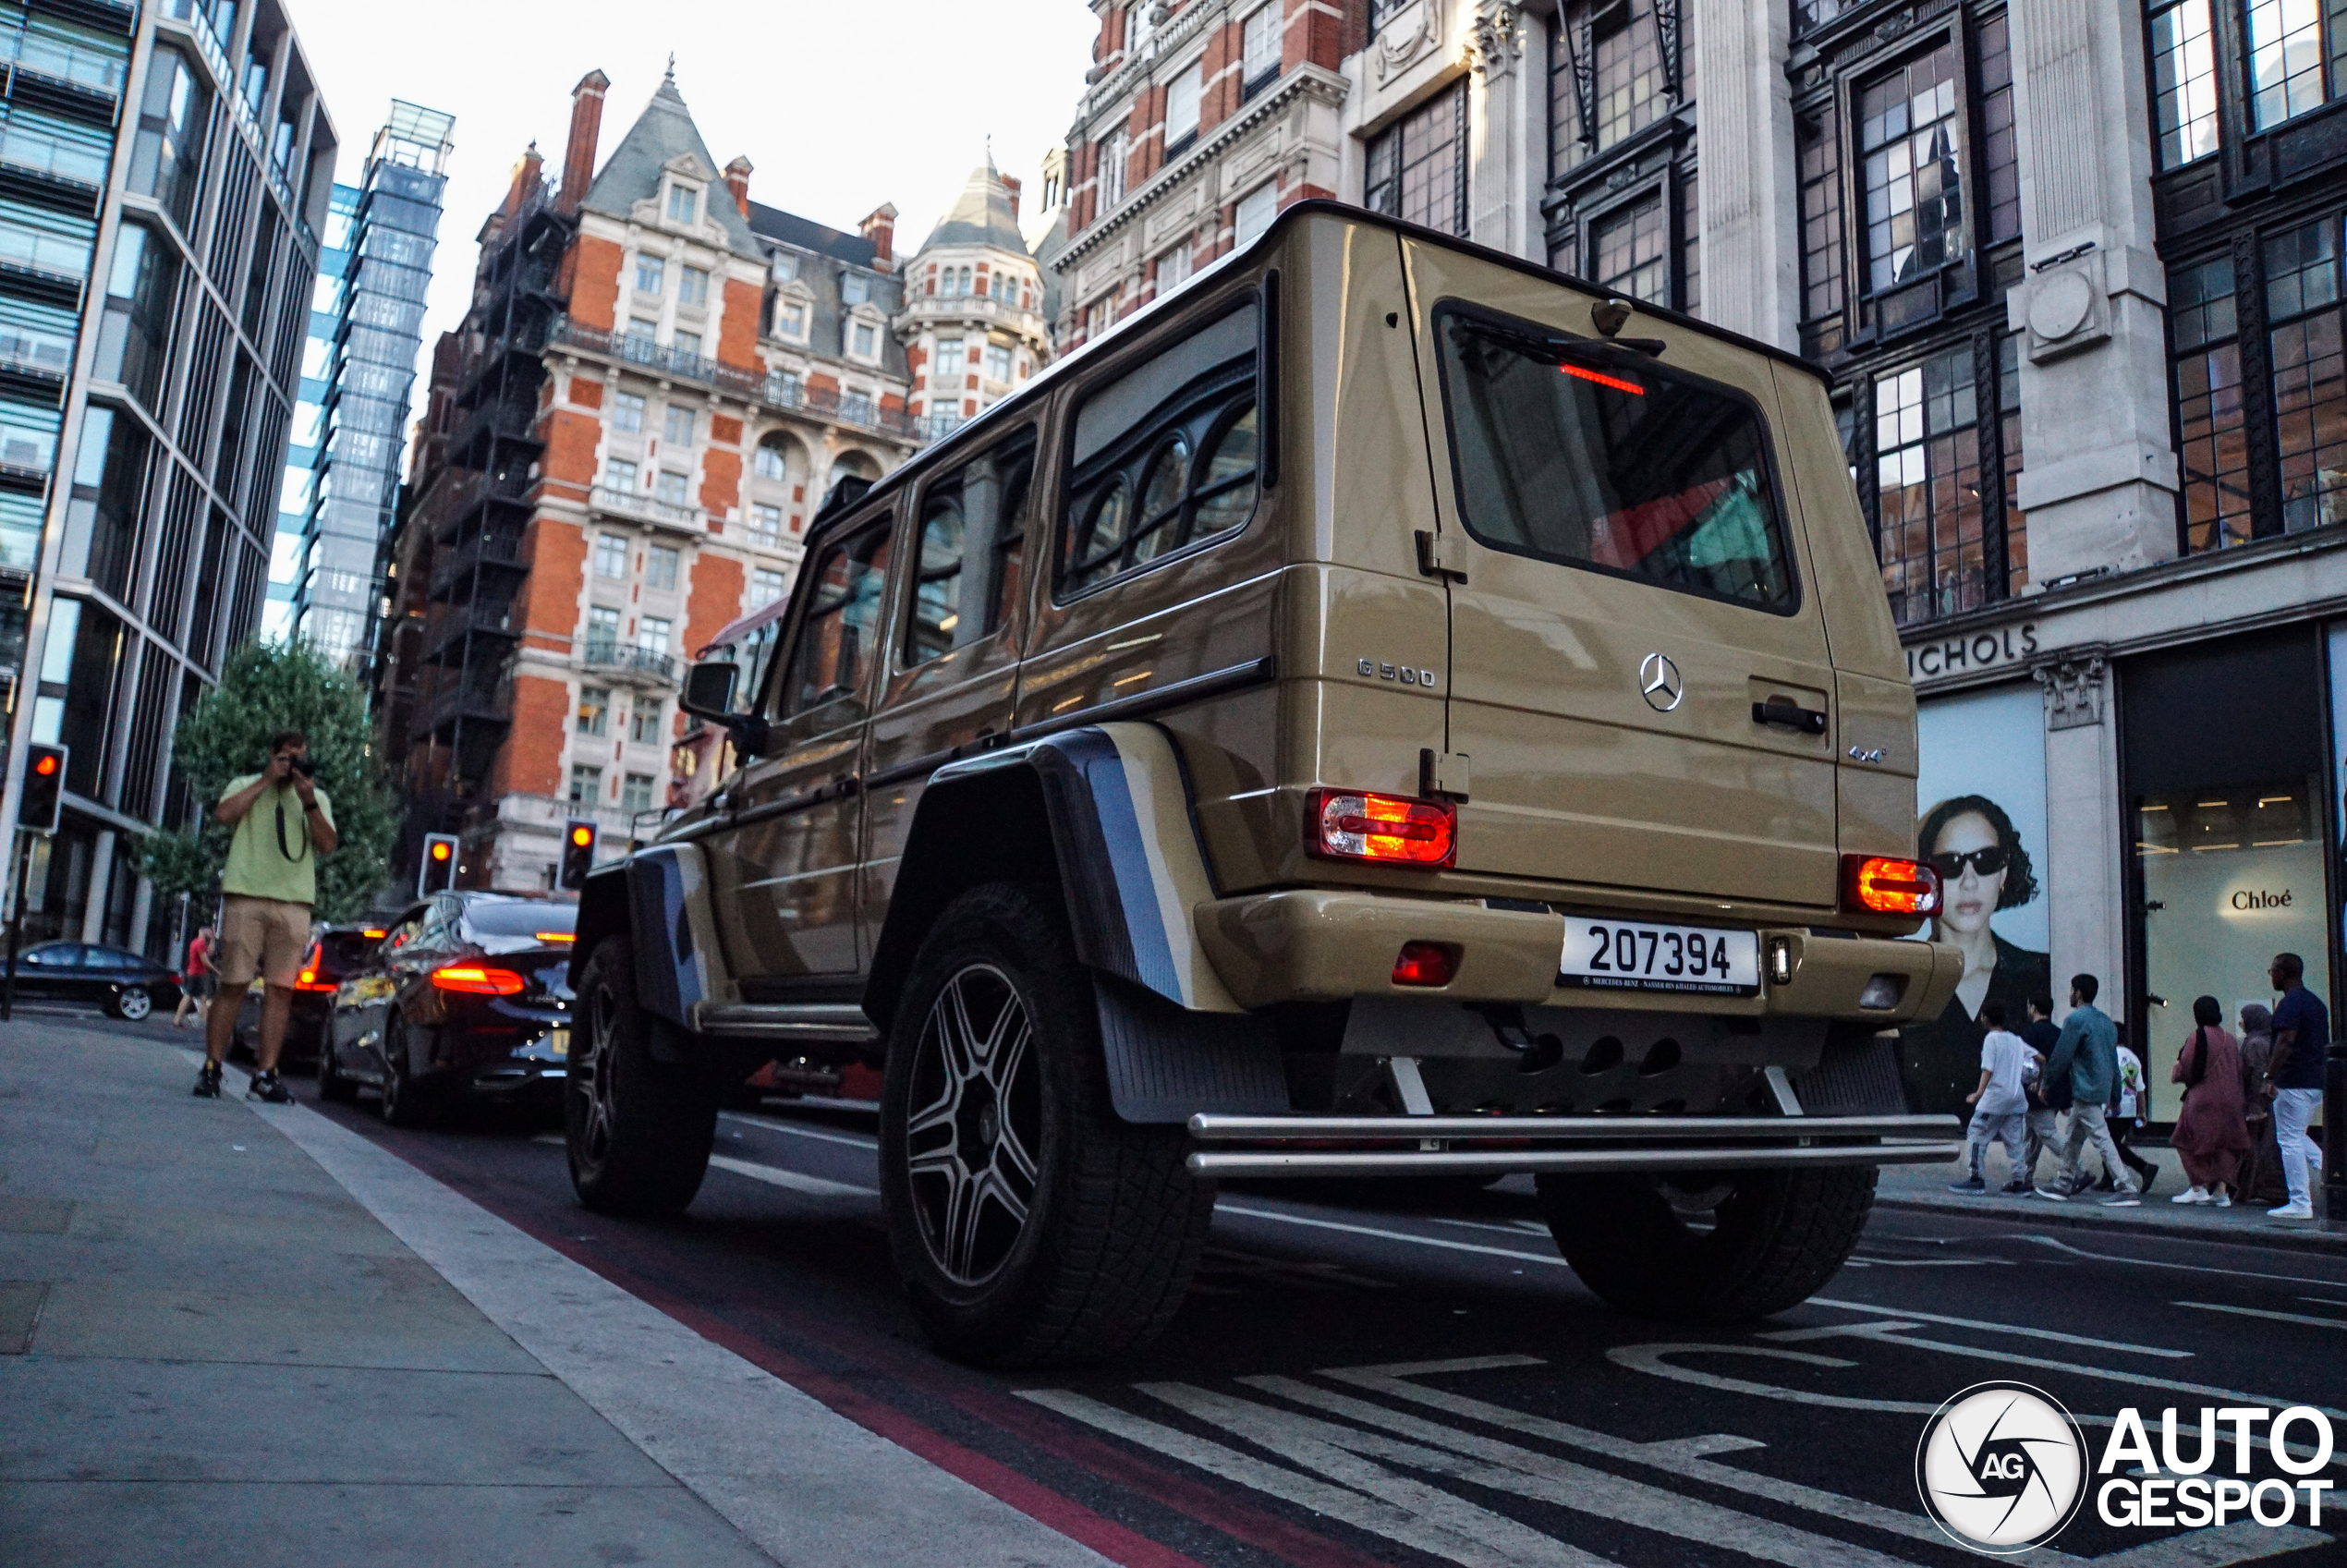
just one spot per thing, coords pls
(1996, 1328)
(852, 1139)
(1509, 1467)
(776, 1175)
(1386, 1512)
(2161, 1263)
(1856, 1262)
(2259, 1312)
(1391, 1236)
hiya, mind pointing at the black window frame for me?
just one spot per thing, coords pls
(1000, 547)
(879, 520)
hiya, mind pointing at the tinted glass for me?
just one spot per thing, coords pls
(346, 950)
(1592, 455)
(842, 629)
(522, 918)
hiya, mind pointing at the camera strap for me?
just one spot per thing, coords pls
(283, 849)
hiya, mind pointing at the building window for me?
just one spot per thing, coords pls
(866, 340)
(679, 425)
(945, 372)
(770, 462)
(856, 406)
(790, 318)
(660, 567)
(602, 632)
(611, 555)
(2184, 65)
(783, 266)
(2009, 449)
(1261, 40)
(2285, 59)
(619, 476)
(1632, 252)
(1610, 73)
(1181, 105)
(998, 361)
(2310, 383)
(688, 347)
(669, 489)
(651, 273)
(855, 288)
(636, 794)
(1915, 193)
(627, 412)
(1626, 48)
(684, 203)
(1112, 170)
(2208, 408)
(1927, 482)
(639, 345)
(1818, 140)
(765, 524)
(692, 286)
(1999, 152)
(586, 784)
(1418, 169)
(1174, 268)
(1255, 211)
(1810, 15)
(652, 634)
(643, 721)
(594, 710)
(765, 586)
(1690, 246)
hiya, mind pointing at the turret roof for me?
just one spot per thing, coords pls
(980, 215)
(661, 133)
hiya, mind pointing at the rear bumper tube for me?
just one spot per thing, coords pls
(1499, 1144)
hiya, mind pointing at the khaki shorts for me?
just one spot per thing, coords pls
(262, 936)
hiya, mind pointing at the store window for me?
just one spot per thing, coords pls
(2208, 407)
(1927, 487)
(2183, 69)
(1910, 169)
(1418, 167)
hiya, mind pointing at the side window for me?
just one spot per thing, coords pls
(976, 512)
(841, 630)
(407, 934)
(1164, 456)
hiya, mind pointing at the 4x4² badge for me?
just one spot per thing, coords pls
(1659, 683)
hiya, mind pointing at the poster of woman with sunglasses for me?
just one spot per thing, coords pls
(1983, 869)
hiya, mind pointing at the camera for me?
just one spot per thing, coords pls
(303, 766)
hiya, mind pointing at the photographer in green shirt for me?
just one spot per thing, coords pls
(283, 823)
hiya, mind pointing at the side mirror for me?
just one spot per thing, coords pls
(709, 689)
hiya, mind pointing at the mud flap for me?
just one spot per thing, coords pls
(1856, 1074)
(1165, 1062)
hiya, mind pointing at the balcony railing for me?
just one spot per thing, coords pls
(84, 69)
(456, 564)
(47, 253)
(635, 504)
(628, 658)
(69, 161)
(495, 419)
(489, 700)
(776, 390)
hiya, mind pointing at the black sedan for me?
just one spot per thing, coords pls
(466, 997)
(126, 985)
(338, 952)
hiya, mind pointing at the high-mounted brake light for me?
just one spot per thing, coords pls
(1616, 382)
(478, 981)
(1390, 830)
(1880, 885)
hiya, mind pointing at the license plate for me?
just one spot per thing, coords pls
(1632, 955)
(558, 1041)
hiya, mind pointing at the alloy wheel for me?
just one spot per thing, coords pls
(594, 1067)
(134, 1003)
(971, 1146)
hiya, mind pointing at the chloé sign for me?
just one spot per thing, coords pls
(1968, 655)
(2257, 898)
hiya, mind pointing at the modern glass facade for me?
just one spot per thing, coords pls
(342, 466)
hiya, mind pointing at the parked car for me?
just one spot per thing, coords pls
(126, 985)
(1383, 709)
(338, 951)
(466, 996)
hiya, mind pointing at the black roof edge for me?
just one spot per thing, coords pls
(1009, 409)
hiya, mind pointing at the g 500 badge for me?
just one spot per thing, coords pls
(1406, 675)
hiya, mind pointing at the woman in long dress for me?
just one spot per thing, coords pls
(2211, 1135)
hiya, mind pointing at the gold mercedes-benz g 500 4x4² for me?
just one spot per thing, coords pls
(1385, 709)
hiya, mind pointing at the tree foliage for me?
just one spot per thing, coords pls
(266, 689)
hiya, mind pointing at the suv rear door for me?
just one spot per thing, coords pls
(1639, 672)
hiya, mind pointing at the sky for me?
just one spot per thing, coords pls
(840, 106)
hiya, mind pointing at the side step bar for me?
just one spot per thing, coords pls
(1499, 1144)
(787, 1024)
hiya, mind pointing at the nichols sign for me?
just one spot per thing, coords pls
(1969, 656)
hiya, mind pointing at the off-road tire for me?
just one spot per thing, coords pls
(333, 1087)
(406, 1102)
(638, 1132)
(1776, 1240)
(1116, 1222)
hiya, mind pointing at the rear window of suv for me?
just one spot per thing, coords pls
(1592, 455)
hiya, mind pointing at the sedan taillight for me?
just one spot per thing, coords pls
(475, 980)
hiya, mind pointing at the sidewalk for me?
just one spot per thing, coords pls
(1926, 1187)
(216, 1348)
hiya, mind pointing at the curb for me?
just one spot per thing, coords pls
(2268, 1234)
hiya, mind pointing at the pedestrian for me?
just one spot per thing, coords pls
(2124, 1115)
(2039, 1036)
(2084, 1068)
(2261, 1178)
(2211, 1133)
(195, 979)
(2301, 1038)
(283, 822)
(2000, 1108)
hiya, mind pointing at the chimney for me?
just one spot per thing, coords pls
(1012, 187)
(586, 127)
(525, 180)
(880, 227)
(737, 174)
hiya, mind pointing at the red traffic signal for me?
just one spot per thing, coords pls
(44, 788)
(438, 871)
(46, 765)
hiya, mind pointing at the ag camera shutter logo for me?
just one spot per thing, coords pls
(2001, 1467)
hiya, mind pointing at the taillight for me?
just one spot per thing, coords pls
(477, 981)
(1390, 830)
(307, 979)
(556, 936)
(1879, 885)
(1426, 963)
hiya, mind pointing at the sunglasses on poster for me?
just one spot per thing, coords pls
(1951, 863)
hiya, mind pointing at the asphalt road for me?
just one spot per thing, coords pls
(1362, 1378)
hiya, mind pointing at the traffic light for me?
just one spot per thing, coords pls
(44, 788)
(438, 871)
(578, 852)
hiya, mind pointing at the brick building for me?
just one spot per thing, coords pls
(974, 324)
(657, 383)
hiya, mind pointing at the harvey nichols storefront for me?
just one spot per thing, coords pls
(2142, 777)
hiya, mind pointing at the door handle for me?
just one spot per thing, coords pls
(1786, 713)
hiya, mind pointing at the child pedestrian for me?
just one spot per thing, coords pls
(2000, 1107)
